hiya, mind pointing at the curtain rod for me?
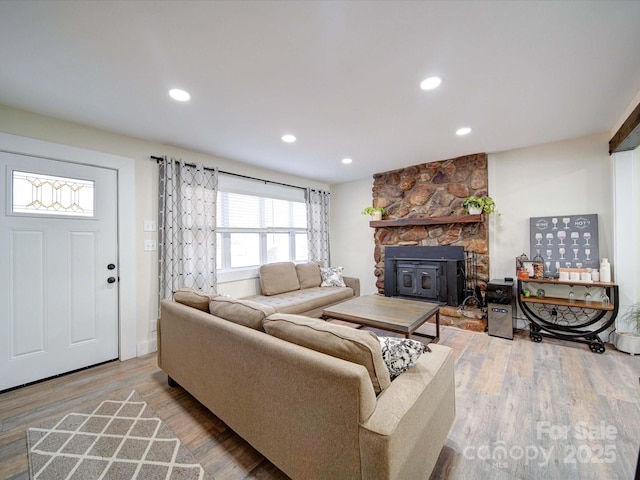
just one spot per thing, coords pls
(159, 159)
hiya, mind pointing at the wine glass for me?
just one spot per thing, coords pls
(604, 298)
(566, 221)
(575, 236)
(557, 267)
(587, 252)
(575, 253)
(549, 253)
(548, 270)
(567, 264)
(555, 223)
(550, 238)
(561, 251)
(561, 236)
(538, 238)
(586, 236)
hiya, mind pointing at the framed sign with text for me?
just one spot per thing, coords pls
(565, 241)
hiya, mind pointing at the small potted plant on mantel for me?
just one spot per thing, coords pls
(476, 205)
(375, 212)
(628, 342)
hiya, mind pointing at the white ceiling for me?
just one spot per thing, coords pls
(342, 76)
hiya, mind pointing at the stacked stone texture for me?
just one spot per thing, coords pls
(435, 189)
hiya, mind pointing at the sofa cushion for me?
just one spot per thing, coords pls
(193, 298)
(400, 354)
(332, 277)
(356, 346)
(304, 300)
(308, 275)
(243, 312)
(278, 278)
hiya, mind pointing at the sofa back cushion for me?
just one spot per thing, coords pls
(356, 346)
(193, 298)
(243, 312)
(279, 277)
(308, 275)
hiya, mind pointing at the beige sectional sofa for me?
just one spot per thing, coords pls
(296, 288)
(310, 395)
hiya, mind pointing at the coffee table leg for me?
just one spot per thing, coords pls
(433, 339)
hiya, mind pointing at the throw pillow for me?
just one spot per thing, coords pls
(356, 346)
(332, 277)
(400, 354)
(193, 298)
(243, 312)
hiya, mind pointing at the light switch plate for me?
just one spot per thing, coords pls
(149, 245)
(150, 226)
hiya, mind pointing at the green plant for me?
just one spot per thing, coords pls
(372, 210)
(485, 204)
(632, 316)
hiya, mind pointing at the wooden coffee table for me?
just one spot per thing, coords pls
(387, 313)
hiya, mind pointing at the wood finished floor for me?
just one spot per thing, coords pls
(519, 398)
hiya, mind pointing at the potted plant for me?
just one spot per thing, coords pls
(477, 205)
(375, 212)
(629, 342)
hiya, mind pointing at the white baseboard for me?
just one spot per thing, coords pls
(144, 348)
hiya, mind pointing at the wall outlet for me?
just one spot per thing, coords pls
(149, 226)
(149, 245)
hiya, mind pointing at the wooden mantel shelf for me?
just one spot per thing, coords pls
(414, 221)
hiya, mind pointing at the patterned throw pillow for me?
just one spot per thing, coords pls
(332, 277)
(400, 354)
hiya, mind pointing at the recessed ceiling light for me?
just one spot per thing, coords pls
(347, 161)
(463, 131)
(288, 138)
(430, 83)
(179, 95)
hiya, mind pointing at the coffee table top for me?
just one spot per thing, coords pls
(388, 313)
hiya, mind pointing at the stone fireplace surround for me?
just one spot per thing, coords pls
(431, 191)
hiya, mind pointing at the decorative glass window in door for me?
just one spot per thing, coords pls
(35, 193)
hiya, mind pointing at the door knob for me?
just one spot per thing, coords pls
(111, 266)
(111, 280)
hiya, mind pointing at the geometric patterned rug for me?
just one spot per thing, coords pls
(118, 439)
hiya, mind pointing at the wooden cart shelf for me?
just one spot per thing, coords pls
(571, 283)
(563, 302)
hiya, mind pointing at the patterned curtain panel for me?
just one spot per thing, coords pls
(318, 226)
(187, 220)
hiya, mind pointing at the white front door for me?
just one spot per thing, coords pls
(58, 267)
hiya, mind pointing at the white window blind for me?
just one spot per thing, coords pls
(258, 223)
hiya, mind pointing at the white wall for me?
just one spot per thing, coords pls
(352, 242)
(18, 122)
(562, 178)
(626, 196)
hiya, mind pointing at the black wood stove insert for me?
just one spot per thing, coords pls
(435, 274)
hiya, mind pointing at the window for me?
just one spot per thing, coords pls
(258, 223)
(35, 193)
